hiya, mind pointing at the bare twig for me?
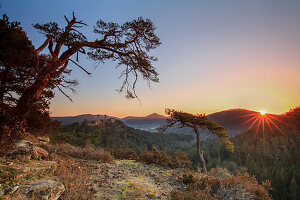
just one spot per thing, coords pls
(88, 73)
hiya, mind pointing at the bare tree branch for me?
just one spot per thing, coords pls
(88, 73)
(63, 92)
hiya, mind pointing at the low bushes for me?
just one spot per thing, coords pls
(89, 152)
(175, 160)
(217, 186)
(124, 154)
(75, 178)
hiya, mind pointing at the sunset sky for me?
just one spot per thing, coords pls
(215, 55)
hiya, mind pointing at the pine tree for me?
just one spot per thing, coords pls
(183, 119)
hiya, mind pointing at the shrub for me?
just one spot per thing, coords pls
(176, 160)
(89, 152)
(124, 154)
(179, 195)
(74, 177)
(242, 186)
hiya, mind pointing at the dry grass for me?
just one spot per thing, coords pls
(75, 178)
(89, 152)
(73, 171)
(176, 160)
(242, 186)
(124, 154)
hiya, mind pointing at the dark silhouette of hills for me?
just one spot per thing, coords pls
(149, 122)
(231, 119)
(77, 119)
(234, 120)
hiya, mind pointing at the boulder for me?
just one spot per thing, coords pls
(9, 191)
(39, 167)
(39, 153)
(22, 148)
(43, 139)
(50, 189)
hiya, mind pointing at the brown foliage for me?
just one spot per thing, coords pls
(242, 186)
(176, 160)
(74, 172)
(74, 177)
(124, 154)
(89, 152)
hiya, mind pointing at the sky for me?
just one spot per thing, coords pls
(215, 55)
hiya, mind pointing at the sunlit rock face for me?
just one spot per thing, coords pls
(50, 189)
(21, 149)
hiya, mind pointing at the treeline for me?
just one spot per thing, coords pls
(117, 135)
(271, 154)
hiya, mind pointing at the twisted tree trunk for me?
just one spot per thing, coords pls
(33, 92)
(199, 152)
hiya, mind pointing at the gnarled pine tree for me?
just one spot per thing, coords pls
(183, 119)
(128, 44)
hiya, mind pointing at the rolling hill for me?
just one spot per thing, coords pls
(149, 122)
(232, 119)
(76, 119)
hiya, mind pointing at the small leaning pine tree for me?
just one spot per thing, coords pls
(183, 119)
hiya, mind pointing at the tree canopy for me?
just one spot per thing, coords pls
(29, 76)
(182, 119)
(127, 44)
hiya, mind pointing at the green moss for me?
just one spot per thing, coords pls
(127, 162)
(135, 187)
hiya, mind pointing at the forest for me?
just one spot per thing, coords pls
(273, 156)
(261, 162)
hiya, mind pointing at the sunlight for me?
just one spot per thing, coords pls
(262, 112)
(259, 120)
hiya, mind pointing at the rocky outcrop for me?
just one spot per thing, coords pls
(24, 174)
(30, 180)
(50, 189)
(39, 153)
(21, 149)
(27, 150)
(128, 179)
(43, 139)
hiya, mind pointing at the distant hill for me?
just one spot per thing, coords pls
(76, 119)
(149, 122)
(233, 119)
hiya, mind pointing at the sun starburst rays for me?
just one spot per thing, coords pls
(263, 120)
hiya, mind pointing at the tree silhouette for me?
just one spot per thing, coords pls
(128, 44)
(29, 76)
(17, 57)
(183, 119)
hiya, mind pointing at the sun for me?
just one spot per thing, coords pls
(262, 112)
(261, 120)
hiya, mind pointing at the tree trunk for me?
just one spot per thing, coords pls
(199, 152)
(3, 88)
(33, 92)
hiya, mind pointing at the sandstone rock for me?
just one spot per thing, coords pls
(39, 167)
(10, 190)
(22, 148)
(50, 189)
(43, 139)
(39, 153)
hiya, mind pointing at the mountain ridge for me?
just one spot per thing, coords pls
(232, 119)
